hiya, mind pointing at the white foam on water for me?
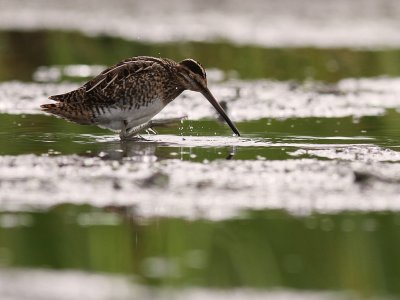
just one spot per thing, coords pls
(215, 190)
(41, 284)
(246, 100)
(351, 152)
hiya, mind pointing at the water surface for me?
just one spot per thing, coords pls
(304, 205)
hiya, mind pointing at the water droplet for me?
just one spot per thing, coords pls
(327, 224)
(347, 225)
(195, 259)
(102, 154)
(311, 223)
(370, 225)
(159, 267)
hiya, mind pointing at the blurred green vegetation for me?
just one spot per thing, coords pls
(22, 52)
(262, 249)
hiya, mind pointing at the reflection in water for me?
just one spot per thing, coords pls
(152, 148)
(232, 153)
(261, 249)
(139, 150)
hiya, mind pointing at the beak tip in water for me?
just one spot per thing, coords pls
(206, 93)
(236, 132)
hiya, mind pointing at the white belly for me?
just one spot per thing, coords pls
(114, 118)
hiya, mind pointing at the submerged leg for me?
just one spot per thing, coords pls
(130, 132)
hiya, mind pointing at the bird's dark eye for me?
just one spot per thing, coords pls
(194, 66)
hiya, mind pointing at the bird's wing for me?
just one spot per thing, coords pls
(114, 83)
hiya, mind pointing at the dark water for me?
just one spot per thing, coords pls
(346, 251)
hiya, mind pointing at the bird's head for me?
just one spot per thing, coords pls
(193, 77)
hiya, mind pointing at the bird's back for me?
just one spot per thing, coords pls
(130, 87)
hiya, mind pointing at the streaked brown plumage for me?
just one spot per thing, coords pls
(126, 96)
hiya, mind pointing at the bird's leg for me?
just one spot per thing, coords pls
(130, 132)
(123, 132)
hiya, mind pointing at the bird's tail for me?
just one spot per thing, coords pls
(73, 113)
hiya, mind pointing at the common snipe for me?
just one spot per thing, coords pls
(126, 96)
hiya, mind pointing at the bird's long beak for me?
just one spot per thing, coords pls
(206, 93)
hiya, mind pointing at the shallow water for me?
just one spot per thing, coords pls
(304, 205)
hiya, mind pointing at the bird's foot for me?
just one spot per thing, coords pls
(151, 131)
(129, 133)
(167, 122)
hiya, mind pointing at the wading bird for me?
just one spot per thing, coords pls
(126, 96)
